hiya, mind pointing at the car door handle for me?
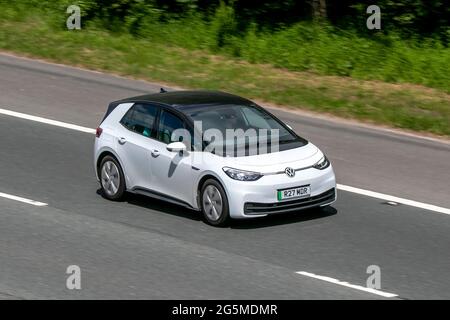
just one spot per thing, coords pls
(155, 153)
(122, 140)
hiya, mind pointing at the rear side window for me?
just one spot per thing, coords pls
(141, 119)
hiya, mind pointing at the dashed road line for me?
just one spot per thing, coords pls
(349, 285)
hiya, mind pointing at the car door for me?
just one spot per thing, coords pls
(172, 172)
(135, 141)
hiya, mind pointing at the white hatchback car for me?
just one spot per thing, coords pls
(139, 148)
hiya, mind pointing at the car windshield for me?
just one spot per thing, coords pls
(239, 130)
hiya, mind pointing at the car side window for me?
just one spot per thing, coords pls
(168, 123)
(141, 119)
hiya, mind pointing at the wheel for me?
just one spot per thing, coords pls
(214, 203)
(112, 179)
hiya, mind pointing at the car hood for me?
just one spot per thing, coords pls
(301, 157)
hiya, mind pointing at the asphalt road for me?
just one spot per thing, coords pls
(143, 248)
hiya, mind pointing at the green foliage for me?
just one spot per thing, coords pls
(223, 25)
(210, 49)
(321, 48)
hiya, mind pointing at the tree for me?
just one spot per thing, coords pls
(319, 8)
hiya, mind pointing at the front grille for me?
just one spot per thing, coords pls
(292, 205)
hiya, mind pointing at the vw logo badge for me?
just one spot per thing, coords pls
(289, 171)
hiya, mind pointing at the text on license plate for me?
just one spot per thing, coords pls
(298, 192)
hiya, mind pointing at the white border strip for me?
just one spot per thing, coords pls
(24, 200)
(342, 187)
(46, 121)
(387, 197)
(346, 284)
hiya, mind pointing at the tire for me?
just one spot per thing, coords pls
(214, 203)
(112, 179)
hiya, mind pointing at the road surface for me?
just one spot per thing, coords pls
(147, 249)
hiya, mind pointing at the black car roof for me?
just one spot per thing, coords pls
(185, 99)
(182, 100)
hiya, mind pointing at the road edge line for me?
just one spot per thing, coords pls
(387, 197)
(342, 187)
(46, 121)
(23, 200)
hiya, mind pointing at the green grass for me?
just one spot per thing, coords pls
(184, 56)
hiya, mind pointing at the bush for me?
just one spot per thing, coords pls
(303, 46)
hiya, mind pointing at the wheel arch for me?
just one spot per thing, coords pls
(103, 154)
(206, 176)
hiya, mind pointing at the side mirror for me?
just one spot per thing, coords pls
(176, 147)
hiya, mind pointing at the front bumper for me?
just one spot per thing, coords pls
(254, 208)
(259, 198)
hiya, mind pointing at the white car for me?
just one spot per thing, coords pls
(176, 146)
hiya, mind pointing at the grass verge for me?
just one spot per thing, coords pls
(406, 106)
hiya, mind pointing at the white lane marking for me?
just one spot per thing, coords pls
(24, 200)
(46, 121)
(339, 186)
(387, 197)
(346, 284)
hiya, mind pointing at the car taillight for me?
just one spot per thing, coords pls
(98, 132)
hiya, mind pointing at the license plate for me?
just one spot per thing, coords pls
(299, 192)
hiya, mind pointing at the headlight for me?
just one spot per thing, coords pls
(242, 175)
(322, 164)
